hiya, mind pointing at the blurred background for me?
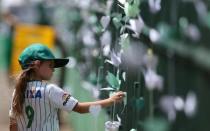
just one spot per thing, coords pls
(157, 51)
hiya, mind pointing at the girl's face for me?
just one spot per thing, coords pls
(45, 70)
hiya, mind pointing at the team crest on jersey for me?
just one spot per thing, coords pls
(65, 98)
(33, 93)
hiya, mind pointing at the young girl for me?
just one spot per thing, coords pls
(35, 102)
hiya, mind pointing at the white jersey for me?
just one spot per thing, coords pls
(42, 101)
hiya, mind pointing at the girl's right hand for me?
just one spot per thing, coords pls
(117, 97)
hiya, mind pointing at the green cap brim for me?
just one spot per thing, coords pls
(60, 62)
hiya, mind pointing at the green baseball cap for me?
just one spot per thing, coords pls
(40, 52)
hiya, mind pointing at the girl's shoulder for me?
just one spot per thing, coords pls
(53, 87)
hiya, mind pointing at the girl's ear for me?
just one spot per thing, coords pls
(36, 64)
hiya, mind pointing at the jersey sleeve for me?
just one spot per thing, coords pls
(61, 99)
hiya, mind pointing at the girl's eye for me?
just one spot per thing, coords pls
(51, 65)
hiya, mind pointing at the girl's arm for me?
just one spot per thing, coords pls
(83, 107)
(13, 124)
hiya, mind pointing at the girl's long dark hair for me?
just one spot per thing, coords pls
(19, 94)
